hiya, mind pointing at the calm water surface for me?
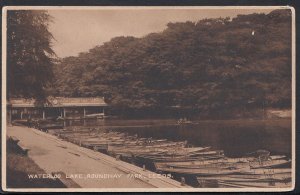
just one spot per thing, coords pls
(235, 137)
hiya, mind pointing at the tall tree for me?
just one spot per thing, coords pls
(29, 53)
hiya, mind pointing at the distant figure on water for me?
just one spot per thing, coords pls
(183, 121)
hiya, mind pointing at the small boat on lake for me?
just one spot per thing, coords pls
(184, 121)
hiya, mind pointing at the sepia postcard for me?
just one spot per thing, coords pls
(158, 99)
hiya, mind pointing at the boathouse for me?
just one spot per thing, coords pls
(56, 107)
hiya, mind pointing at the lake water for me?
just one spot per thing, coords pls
(235, 137)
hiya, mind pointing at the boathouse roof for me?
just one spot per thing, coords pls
(59, 102)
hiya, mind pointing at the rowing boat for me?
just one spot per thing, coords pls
(249, 178)
(265, 171)
(162, 158)
(269, 164)
(203, 171)
(221, 164)
(195, 164)
(268, 184)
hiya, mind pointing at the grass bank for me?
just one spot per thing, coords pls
(19, 166)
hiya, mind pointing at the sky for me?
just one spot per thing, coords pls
(79, 30)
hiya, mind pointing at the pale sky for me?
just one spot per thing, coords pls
(78, 31)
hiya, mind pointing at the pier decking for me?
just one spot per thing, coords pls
(88, 168)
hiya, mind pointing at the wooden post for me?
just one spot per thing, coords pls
(182, 181)
(64, 112)
(9, 115)
(44, 114)
(259, 159)
(21, 114)
(84, 111)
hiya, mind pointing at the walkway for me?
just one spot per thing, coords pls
(88, 168)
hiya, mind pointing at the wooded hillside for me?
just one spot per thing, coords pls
(207, 66)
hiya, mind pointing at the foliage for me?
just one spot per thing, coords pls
(29, 53)
(210, 65)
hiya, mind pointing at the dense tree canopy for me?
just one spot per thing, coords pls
(209, 65)
(29, 62)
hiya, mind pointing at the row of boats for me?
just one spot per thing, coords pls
(210, 167)
(234, 172)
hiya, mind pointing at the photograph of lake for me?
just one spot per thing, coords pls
(145, 98)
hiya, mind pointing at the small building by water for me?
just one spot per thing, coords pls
(56, 107)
